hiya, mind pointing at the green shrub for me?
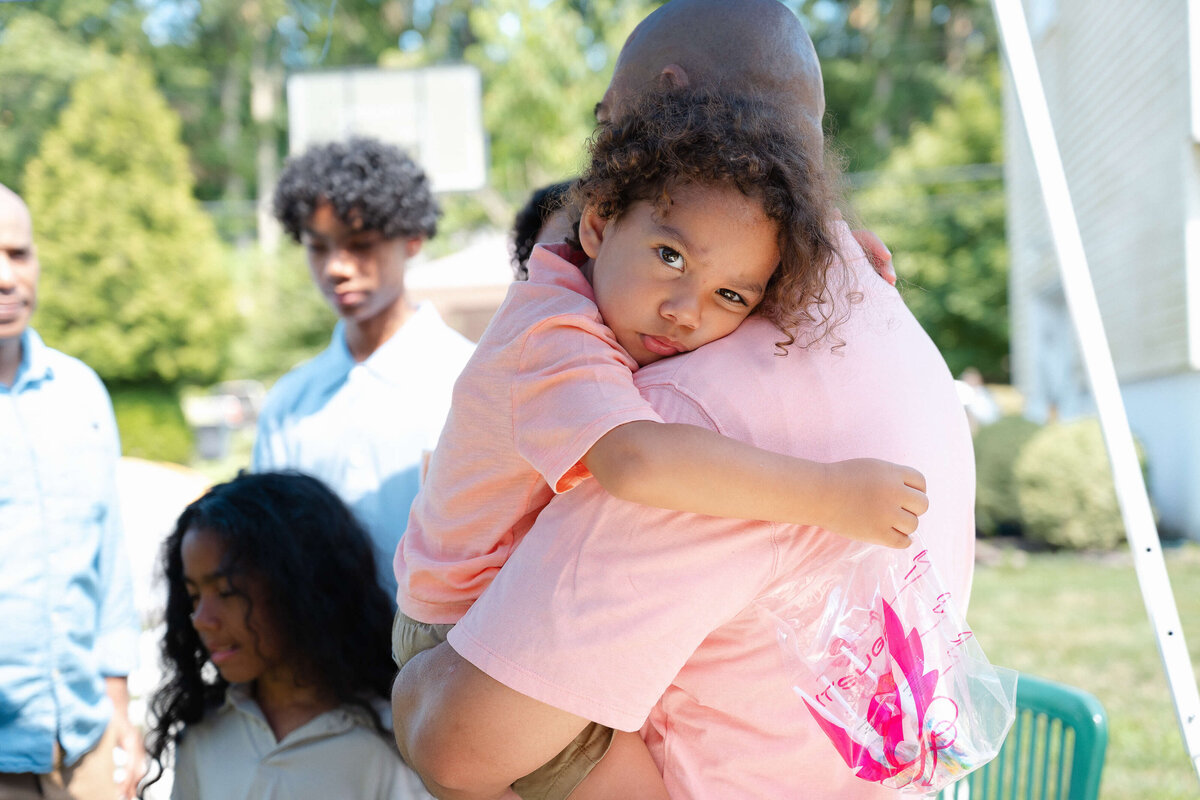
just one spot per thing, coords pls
(996, 449)
(1065, 488)
(152, 425)
(285, 320)
(135, 285)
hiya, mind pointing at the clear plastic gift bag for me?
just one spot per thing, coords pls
(888, 668)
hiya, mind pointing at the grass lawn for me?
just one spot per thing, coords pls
(1080, 619)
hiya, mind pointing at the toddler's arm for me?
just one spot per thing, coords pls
(688, 468)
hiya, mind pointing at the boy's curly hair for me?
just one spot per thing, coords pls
(677, 136)
(371, 185)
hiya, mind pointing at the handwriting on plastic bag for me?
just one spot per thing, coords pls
(894, 677)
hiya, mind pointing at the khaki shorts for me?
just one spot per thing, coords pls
(555, 779)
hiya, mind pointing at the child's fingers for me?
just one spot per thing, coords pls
(914, 478)
(896, 539)
(906, 522)
(915, 501)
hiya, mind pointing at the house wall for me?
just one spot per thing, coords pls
(1118, 85)
(1164, 414)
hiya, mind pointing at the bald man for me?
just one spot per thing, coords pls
(69, 631)
(642, 619)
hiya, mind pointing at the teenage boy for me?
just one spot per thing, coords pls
(361, 414)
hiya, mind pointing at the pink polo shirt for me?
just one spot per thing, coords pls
(641, 618)
(547, 380)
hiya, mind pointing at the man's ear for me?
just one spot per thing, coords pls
(413, 246)
(673, 76)
(591, 231)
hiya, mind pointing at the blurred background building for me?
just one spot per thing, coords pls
(1123, 86)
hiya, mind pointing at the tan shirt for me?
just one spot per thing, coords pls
(233, 755)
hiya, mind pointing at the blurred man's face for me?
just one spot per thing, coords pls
(18, 268)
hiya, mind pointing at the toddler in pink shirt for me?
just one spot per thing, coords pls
(696, 211)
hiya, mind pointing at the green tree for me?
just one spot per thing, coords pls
(44, 47)
(222, 63)
(544, 69)
(886, 63)
(133, 281)
(39, 61)
(938, 203)
(286, 320)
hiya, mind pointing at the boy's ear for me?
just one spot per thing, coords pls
(591, 231)
(413, 246)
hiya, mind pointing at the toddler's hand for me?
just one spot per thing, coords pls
(874, 501)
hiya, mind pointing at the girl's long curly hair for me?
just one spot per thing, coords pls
(292, 534)
(679, 136)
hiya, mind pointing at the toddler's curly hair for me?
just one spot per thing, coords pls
(371, 185)
(678, 136)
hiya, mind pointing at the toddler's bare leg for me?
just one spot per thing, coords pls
(626, 771)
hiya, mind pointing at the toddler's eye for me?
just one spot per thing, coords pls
(671, 258)
(732, 296)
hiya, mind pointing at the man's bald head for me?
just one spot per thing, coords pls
(12, 206)
(749, 46)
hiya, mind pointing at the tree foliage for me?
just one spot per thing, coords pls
(543, 74)
(286, 320)
(46, 46)
(938, 202)
(39, 64)
(132, 277)
(886, 63)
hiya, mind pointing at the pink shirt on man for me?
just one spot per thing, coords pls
(641, 618)
(547, 380)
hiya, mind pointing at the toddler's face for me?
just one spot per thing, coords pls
(669, 282)
(241, 646)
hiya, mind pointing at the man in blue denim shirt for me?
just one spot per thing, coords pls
(68, 628)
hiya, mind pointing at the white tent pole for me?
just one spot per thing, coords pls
(1085, 313)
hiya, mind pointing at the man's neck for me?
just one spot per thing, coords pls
(10, 360)
(365, 337)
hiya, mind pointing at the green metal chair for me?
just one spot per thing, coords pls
(1055, 750)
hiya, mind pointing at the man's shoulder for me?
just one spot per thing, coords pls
(712, 371)
(71, 374)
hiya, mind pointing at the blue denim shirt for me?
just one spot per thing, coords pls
(67, 616)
